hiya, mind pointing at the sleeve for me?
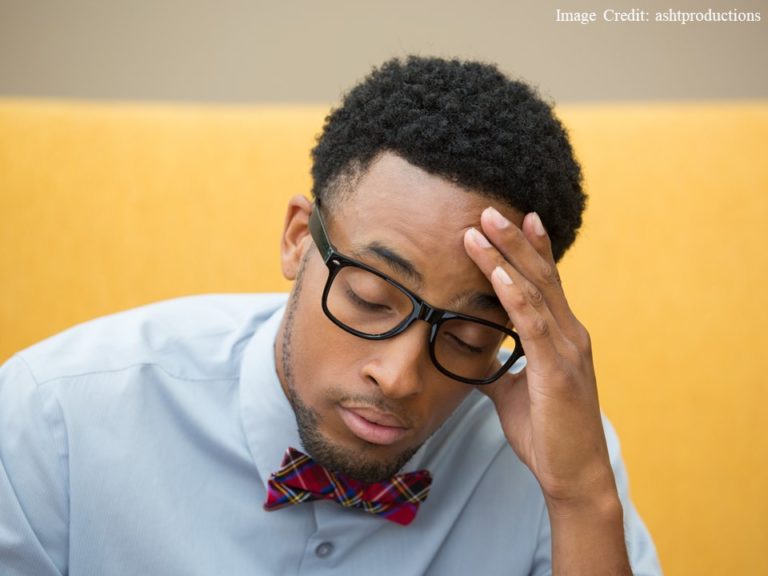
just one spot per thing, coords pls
(34, 512)
(542, 559)
(640, 548)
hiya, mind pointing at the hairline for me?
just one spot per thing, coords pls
(344, 185)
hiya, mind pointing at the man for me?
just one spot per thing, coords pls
(154, 441)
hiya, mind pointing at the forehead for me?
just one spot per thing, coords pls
(420, 217)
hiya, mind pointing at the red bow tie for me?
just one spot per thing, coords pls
(301, 479)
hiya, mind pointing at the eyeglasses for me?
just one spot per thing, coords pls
(371, 305)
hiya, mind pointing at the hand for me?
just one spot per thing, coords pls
(549, 412)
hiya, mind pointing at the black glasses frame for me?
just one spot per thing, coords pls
(435, 317)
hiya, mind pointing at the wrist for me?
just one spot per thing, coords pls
(597, 494)
(602, 505)
(588, 535)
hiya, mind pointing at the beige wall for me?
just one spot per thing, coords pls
(310, 50)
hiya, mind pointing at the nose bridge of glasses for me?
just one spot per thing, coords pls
(429, 314)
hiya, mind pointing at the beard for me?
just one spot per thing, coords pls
(359, 465)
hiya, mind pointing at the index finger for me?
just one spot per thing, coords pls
(529, 251)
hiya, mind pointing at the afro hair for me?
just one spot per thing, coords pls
(462, 121)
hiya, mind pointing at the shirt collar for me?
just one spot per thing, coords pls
(268, 418)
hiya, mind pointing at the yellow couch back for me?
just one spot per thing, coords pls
(108, 206)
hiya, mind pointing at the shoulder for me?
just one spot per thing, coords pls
(191, 337)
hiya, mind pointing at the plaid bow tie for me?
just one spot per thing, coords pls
(301, 479)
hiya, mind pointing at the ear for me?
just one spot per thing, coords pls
(296, 239)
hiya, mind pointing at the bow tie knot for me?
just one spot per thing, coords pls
(301, 479)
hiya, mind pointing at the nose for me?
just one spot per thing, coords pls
(398, 365)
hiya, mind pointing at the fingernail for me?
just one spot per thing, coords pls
(479, 239)
(502, 275)
(498, 220)
(538, 227)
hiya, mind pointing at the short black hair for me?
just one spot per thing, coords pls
(463, 121)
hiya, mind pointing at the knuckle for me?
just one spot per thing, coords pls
(517, 299)
(549, 274)
(539, 327)
(585, 340)
(535, 297)
(582, 340)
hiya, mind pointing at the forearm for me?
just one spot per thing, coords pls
(588, 537)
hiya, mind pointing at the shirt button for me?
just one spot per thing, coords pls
(324, 549)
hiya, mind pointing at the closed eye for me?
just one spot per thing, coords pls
(458, 342)
(365, 304)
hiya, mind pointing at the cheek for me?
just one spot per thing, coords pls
(322, 353)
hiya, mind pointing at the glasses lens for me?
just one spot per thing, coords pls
(468, 349)
(366, 302)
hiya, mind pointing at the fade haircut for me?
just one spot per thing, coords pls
(462, 121)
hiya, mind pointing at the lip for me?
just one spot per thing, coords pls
(373, 426)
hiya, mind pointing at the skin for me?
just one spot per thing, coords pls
(462, 244)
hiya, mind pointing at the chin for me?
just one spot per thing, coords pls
(363, 461)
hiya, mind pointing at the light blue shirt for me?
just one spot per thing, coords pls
(141, 444)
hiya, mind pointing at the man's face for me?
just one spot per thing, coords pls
(363, 407)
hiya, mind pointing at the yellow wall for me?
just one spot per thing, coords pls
(105, 207)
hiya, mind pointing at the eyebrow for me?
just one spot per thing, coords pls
(472, 300)
(481, 301)
(394, 261)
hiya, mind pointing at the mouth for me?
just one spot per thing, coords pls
(372, 425)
